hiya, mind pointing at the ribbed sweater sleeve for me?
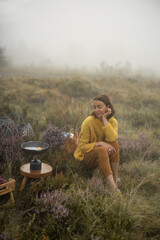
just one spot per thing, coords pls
(85, 138)
(111, 130)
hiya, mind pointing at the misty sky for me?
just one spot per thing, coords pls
(81, 32)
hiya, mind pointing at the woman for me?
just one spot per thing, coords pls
(97, 141)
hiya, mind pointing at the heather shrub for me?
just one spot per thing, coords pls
(96, 184)
(53, 136)
(62, 213)
(135, 147)
(11, 155)
(5, 236)
(54, 204)
(88, 214)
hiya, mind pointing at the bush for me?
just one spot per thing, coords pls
(81, 212)
(53, 203)
(76, 87)
(11, 154)
(144, 118)
(53, 136)
(131, 148)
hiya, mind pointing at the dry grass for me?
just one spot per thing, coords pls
(47, 96)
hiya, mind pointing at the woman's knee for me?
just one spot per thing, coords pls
(101, 151)
(115, 156)
(115, 145)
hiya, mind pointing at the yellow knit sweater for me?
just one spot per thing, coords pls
(92, 131)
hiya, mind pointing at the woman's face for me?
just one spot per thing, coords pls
(99, 108)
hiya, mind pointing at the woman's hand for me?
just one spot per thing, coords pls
(109, 111)
(104, 117)
(110, 149)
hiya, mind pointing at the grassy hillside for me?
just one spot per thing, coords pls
(75, 204)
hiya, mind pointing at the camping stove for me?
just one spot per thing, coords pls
(35, 148)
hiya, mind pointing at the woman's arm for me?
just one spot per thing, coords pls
(109, 148)
(110, 127)
(84, 139)
(111, 130)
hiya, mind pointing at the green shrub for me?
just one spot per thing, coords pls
(76, 87)
(143, 119)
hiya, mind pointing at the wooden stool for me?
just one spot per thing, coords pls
(8, 187)
(45, 171)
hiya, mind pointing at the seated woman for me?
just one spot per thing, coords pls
(97, 146)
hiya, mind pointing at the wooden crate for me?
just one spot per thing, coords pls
(8, 187)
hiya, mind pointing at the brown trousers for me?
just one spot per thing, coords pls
(99, 158)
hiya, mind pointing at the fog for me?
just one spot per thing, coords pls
(77, 33)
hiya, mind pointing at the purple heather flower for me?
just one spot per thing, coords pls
(54, 137)
(142, 144)
(54, 203)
